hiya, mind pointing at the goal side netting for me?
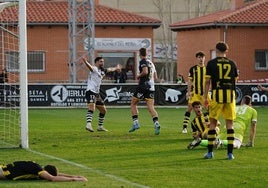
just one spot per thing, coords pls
(13, 120)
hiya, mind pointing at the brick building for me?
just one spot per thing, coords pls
(118, 35)
(244, 27)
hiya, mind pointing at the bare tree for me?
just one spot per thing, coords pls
(167, 42)
(194, 8)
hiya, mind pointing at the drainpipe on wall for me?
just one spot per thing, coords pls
(225, 33)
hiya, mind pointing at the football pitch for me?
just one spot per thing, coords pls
(118, 159)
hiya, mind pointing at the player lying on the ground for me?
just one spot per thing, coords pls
(28, 170)
(200, 125)
(246, 116)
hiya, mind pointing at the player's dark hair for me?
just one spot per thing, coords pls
(97, 59)
(143, 52)
(52, 170)
(195, 103)
(222, 46)
(200, 53)
(247, 99)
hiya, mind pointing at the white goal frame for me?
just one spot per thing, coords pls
(22, 60)
(23, 73)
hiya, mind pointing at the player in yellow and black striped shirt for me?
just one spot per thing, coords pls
(200, 125)
(196, 84)
(221, 76)
(30, 170)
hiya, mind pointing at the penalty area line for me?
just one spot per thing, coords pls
(99, 172)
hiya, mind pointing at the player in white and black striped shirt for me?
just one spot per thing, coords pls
(94, 100)
(145, 91)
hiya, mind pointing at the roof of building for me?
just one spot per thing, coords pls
(252, 14)
(56, 12)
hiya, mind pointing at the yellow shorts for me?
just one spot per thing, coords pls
(226, 109)
(196, 97)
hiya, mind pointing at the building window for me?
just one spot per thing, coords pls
(261, 60)
(126, 59)
(36, 61)
(213, 54)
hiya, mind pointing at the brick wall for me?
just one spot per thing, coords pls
(242, 42)
(54, 41)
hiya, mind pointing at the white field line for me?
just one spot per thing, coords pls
(89, 169)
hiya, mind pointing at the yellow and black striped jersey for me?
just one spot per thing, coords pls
(197, 76)
(22, 170)
(200, 124)
(223, 74)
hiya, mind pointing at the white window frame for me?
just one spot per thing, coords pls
(259, 65)
(12, 59)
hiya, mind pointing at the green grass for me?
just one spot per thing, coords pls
(140, 159)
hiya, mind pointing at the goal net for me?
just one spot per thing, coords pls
(10, 78)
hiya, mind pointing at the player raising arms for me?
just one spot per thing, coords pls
(94, 100)
(221, 75)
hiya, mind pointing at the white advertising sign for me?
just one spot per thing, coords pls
(121, 43)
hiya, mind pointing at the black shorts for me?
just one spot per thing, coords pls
(142, 94)
(92, 97)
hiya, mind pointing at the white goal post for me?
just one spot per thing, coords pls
(23, 73)
(13, 78)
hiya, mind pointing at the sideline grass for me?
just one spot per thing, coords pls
(140, 159)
